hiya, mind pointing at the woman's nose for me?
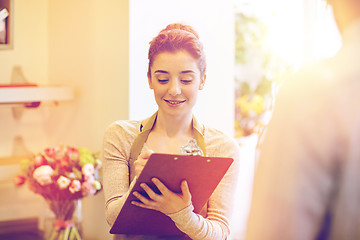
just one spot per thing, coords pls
(175, 88)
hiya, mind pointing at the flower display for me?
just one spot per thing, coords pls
(259, 72)
(61, 173)
(250, 110)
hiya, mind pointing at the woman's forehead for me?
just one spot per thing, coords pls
(179, 60)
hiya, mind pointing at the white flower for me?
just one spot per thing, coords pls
(43, 175)
(75, 186)
(72, 175)
(88, 169)
(63, 182)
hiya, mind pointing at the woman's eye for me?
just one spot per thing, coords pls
(163, 81)
(186, 81)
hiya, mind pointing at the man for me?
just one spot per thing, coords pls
(307, 183)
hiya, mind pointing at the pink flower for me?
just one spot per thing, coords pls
(75, 186)
(60, 154)
(88, 170)
(38, 160)
(89, 178)
(63, 182)
(64, 162)
(50, 152)
(98, 164)
(73, 153)
(19, 180)
(88, 189)
(43, 175)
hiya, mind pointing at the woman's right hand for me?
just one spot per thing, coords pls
(142, 160)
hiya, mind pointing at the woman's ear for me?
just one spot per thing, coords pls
(149, 80)
(202, 82)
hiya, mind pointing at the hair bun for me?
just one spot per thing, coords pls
(179, 26)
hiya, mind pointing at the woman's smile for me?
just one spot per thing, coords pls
(174, 103)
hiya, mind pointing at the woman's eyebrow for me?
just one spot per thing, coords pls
(160, 71)
(187, 71)
(182, 72)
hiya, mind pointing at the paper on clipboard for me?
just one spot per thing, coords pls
(202, 174)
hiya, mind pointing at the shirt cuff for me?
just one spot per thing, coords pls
(180, 215)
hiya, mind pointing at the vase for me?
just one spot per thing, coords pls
(66, 223)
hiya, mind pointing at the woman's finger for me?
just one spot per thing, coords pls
(150, 192)
(143, 199)
(162, 188)
(140, 204)
(185, 191)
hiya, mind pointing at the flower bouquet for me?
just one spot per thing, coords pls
(249, 115)
(62, 175)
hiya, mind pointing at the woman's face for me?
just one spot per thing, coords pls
(175, 79)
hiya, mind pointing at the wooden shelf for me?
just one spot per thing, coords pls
(29, 96)
(13, 160)
(13, 95)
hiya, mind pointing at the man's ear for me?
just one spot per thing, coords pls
(202, 82)
(149, 81)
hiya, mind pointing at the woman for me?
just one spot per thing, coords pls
(176, 72)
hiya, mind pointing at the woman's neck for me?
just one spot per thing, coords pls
(173, 126)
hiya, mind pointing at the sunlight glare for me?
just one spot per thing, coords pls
(300, 31)
(327, 37)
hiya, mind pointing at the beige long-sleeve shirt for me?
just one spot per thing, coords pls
(214, 224)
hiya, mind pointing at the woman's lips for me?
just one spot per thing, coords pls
(174, 102)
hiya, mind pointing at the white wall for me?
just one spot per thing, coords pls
(214, 22)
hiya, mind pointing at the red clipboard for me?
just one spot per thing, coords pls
(203, 174)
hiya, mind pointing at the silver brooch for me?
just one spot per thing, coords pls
(191, 148)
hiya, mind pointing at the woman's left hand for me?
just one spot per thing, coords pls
(167, 202)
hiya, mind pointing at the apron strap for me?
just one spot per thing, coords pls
(139, 142)
(199, 134)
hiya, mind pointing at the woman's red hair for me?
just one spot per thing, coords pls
(177, 37)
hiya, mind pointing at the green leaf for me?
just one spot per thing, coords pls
(264, 87)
